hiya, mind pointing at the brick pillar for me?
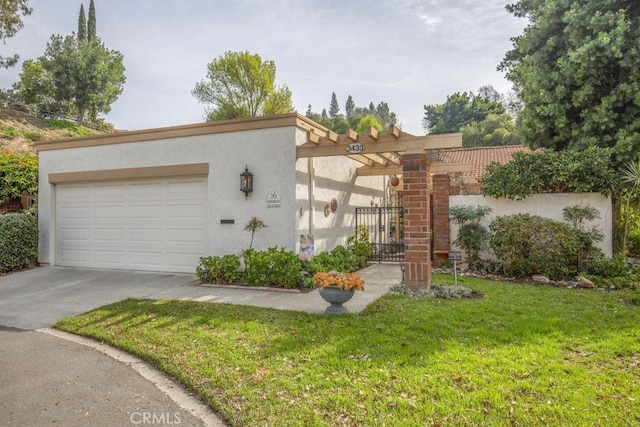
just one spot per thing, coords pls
(415, 200)
(441, 239)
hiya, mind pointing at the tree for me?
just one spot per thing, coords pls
(240, 84)
(82, 25)
(11, 13)
(36, 88)
(549, 171)
(461, 109)
(88, 75)
(494, 130)
(349, 106)
(91, 23)
(333, 106)
(576, 67)
(367, 122)
(631, 178)
(18, 175)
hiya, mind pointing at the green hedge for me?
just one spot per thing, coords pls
(18, 241)
(529, 244)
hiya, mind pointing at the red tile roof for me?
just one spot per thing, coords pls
(479, 157)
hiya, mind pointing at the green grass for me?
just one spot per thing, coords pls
(522, 355)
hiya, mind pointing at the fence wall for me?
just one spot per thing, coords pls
(544, 205)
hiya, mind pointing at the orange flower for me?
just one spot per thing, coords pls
(344, 281)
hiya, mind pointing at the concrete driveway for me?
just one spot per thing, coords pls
(38, 298)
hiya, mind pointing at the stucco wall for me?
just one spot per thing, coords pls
(269, 154)
(544, 205)
(326, 178)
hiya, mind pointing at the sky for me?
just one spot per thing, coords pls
(407, 53)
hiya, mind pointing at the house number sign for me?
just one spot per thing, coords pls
(355, 148)
(273, 200)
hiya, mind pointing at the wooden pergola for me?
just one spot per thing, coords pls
(379, 152)
(384, 153)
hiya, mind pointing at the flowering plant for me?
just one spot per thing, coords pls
(344, 281)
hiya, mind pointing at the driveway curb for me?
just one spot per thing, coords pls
(181, 396)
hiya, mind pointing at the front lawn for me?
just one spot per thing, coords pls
(522, 355)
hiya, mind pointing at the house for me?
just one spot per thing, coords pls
(159, 199)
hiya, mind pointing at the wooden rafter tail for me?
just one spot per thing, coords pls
(392, 157)
(377, 159)
(362, 159)
(394, 131)
(373, 133)
(313, 137)
(332, 136)
(352, 134)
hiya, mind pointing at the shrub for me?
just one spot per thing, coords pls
(472, 236)
(609, 267)
(272, 267)
(18, 174)
(529, 244)
(634, 242)
(360, 245)
(214, 269)
(18, 241)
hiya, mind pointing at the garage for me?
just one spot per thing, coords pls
(135, 224)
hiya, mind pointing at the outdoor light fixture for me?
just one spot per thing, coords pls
(246, 182)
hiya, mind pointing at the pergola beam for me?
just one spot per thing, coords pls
(435, 168)
(386, 143)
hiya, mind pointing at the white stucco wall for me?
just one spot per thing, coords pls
(544, 205)
(326, 178)
(269, 154)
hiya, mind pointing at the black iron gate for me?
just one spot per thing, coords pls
(386, 230)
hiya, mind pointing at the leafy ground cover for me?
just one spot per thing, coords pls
(521, 355)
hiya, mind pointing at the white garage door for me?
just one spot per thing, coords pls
(154, 224)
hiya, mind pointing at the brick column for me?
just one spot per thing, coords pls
(441, 239)
(415, 200)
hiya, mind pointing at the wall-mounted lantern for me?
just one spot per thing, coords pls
(246, 182)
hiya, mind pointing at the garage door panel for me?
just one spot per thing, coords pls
(80, 256)
(108, 192)
(108, 234)
(150, 211)
(145, 235)
(114, 257)
(74, 234)
(74, 192)
(157, 225)
(186, 236)
(109, 212)
(75, 212)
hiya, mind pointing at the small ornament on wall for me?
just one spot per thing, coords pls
(327, 210)
(334, 205)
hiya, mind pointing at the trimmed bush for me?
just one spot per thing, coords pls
(18, 241)
(215, 269)
(273, 267)
(529, 244)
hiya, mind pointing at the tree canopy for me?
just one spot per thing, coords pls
(240, 84)
(481, 118)
(548, 171)
(77, 74)
(460, 109)
(576, 67)
(356, 117)
(11, 14)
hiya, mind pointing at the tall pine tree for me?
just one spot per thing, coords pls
(349, 107)
(82, 25)
(91, 23)
(334, 109)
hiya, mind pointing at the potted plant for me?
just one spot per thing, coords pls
(337, 288)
